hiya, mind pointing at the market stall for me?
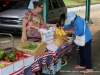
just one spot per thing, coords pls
(12, 61)
(47, 60)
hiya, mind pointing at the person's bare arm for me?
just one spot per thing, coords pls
(46, 24)
(50, 25)
(24, 36)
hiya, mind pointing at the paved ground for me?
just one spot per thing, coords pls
(94, 15)
(69, 68)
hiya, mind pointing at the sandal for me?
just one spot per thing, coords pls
(79, 67)
(64, 64)
(87, 71)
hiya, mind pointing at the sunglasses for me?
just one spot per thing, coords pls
(41, 7)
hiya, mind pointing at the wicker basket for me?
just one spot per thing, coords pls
(36, 52)
(59, 40)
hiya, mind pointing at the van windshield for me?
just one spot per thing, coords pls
(21, 5)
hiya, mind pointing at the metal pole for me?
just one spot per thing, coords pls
(45, 10)
(87, 13)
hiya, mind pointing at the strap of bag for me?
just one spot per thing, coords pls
(84, 26)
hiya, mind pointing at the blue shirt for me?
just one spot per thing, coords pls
(78, 26)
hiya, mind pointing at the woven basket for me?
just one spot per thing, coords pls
(36, 52)
(59, 40)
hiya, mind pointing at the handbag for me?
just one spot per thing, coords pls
(80, 40)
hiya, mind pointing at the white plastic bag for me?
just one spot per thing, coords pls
(80, 40)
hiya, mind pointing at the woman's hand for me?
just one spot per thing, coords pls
(24, 37)
(51, 25)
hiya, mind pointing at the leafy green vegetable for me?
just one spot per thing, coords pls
(30, 46)
(2, 54)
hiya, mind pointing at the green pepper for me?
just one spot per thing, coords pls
(2, 54)
(11, 56)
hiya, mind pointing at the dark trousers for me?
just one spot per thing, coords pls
(85, 55)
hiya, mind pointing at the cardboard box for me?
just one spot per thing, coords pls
(58, 65)
(50, 71)
(6, 70)
(29, 60)
(0, 72)
(18, 64)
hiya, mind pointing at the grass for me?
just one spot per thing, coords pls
(70, 2)
(73, 2)
(95, 1)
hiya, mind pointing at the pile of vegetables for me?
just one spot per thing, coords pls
(30, 46)
(2, 64)
(11, 56)
(2, 55)
(70, 32)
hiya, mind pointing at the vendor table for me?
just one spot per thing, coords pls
(49, 57)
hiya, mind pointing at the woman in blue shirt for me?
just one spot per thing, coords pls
(77, 23)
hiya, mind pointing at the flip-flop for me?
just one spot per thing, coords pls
(79, 67)
(87, 71)
(64, 64)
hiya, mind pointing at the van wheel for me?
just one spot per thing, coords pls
(62, 21)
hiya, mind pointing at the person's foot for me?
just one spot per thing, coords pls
(64, 63)
(87, 70)
(79, 67)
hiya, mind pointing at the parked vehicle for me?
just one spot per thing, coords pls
(6, 5)
(11, 20)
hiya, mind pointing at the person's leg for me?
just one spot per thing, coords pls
(87, 55)
(82, 60)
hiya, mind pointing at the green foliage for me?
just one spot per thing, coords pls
(77, 2)
(30, 46)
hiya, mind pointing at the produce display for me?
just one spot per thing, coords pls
(70, 29)
(3, 64)
(68, 40)
(30, 46)
(70, 32)
(60, 32)
(11, 56)
(2, 54)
